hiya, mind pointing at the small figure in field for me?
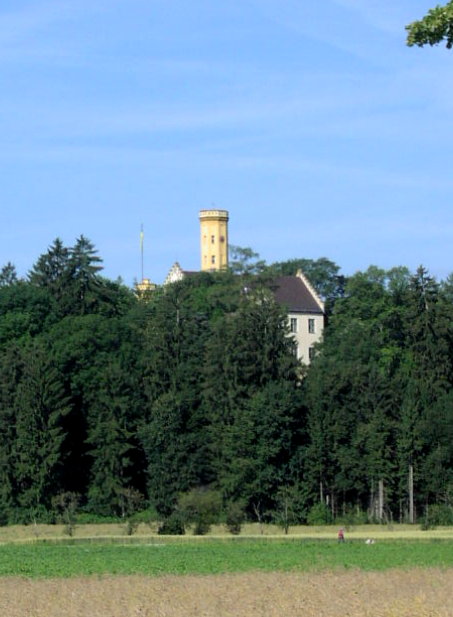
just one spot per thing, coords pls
(341, 535)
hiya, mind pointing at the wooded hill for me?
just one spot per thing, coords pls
(194, 389)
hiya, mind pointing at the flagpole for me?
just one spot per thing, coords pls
(141, 248)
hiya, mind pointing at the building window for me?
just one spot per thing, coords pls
(213, 259)
(212, 239)
(293, 324)
(311, 353)
(311, 326)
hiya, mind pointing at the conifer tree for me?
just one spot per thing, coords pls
(172, 434)
(426, 378)
(250, 390)
(11, 368)
(112, 423)
(39, 408)
(84, 284)
(8, 275)
(51, 271)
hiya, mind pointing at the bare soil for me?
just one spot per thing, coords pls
(414, 593)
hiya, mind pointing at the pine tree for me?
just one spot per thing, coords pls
(8, 275)
(173, 433)
(11, 369)
(84, 284)
(39, 407)
(51, 271)
(111, 427)
(352, 397)
(426, 378)
(250, 387)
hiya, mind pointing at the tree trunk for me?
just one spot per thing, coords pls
(381, 501)
(257, 510)
(411, 494)
(372, 504)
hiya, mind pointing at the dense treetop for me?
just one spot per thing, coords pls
(192, 394)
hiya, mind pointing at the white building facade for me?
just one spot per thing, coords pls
(305, 312)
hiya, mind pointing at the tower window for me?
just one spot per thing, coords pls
(212, 239)
(213, 259)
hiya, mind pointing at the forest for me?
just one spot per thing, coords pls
(190, 398)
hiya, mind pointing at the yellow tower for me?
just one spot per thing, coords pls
(214, 239)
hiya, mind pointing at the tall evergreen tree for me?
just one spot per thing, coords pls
(172, 435)
(259, 446)
(51, 270)
(427, 377)
(39, 408)
(352, 397)
(83, 273)
(250, 354)
(110, 439)
(11, 369)
(8, 275)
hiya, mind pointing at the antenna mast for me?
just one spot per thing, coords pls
(141, 248)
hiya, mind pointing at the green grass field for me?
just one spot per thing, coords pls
(219, 556)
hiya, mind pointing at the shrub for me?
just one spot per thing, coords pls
(234, 517)
(65, 506)
(351, 517)
(4, 516)
(172, 526)
(437, 514)
(89, 518)
(202, 507)
(32, 516)
(147, 516)
(289, 506)
(319, 514)
(131, 501)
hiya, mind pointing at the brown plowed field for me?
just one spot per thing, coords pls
(415, 593)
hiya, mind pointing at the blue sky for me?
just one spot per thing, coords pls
(311, 122)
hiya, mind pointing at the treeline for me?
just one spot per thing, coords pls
(191, 397)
